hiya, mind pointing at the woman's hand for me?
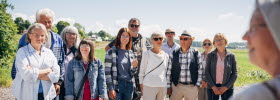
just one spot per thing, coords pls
(216, 90)
(169, 91)
(112, 94)
(135, 63)
(223, 89)
(141, 88)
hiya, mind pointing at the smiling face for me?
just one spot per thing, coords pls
(220, 42)
(157, 41)
(207, 45)
(37, 36)
(47, 21)
(124, 38)
(185, 42)
(71, 37)
(134, 27)
(170, 35)
(85, 49)
(260, 43)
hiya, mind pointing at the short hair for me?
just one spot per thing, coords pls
(207, 39)
(36, 26)
(118, 39)
(220, 35)
(47, 12)
(70, 29)
(132, 20)
(91, 52)
(156, 34)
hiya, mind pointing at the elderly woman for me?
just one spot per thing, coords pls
(85, 75)
(37, 67)
(152, 76)
(71, 40)
(202, 91)
(221, 71)
(120, 67)
(263, 38)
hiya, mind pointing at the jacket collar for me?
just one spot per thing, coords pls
(227, 52)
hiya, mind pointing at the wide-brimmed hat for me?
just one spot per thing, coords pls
(169, 30)
(186, 34)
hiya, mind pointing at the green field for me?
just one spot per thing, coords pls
(247, 73)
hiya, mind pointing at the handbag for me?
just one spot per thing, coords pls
(82, 84)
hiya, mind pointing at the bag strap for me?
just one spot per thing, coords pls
(273, 90)
(82, 83)
(153, 69)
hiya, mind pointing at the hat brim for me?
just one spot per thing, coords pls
(187, 37)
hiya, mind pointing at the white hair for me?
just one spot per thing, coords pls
(70, 29)
(46, 11)
(156, 34)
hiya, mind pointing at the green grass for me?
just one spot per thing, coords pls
(100, 54)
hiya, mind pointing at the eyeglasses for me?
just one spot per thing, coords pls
(169, 32)
(36, 35)
(135, 26)
(84, 46)
(125, 37)
(220, 40)
(156, 39)
(72, 34)
(185, 39)
(209, 44)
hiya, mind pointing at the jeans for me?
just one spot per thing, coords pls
(125, 90)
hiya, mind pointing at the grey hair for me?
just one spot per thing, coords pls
(132, 20)
(47, 12)
(36, 26)
(71, 29)
(156, 34)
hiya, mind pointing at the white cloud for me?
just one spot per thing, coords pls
(230, 16)
(24, 17)
(121, 23)
(147, 30)
(71, 21)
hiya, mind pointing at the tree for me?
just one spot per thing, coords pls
(26, 24)
(90, 33)
(54, 29)
(20, 24)
(61, 25)
(8, 30)
(81, 29)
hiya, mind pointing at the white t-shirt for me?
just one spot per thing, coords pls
(150, 60)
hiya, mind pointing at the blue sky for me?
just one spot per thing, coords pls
(202, 18)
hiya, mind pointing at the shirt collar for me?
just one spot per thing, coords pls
(31, 49)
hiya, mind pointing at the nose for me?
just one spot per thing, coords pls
(245, 36)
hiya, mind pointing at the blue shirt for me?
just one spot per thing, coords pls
(123, 65)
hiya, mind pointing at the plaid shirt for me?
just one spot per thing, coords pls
(203, 61)
(111, 70)
(185, 60)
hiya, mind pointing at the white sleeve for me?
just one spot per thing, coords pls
(143, 66)
(54, 75)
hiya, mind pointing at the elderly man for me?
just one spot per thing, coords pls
(169, 46)
(54, 42)
(184, 70)
(139, 45)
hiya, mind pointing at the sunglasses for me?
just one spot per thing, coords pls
(156, 39)
(170, 33)
(185, 39)
(135, 26)
(209, 44)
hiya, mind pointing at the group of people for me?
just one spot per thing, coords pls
(49, 66)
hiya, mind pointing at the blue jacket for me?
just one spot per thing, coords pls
(96, 77)
(56, 47)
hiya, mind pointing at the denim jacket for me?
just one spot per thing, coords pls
(96, 77)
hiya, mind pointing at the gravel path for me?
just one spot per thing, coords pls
(5, 93)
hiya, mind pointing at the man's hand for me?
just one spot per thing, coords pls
(112, 94)
(57, 89)
(204, 84)
(135, 63)
(169, 91)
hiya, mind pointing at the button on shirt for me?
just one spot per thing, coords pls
(27, 55)
(168, 49)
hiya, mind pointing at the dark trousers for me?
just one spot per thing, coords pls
(225, 96)
(62, 92)
(40, 96)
